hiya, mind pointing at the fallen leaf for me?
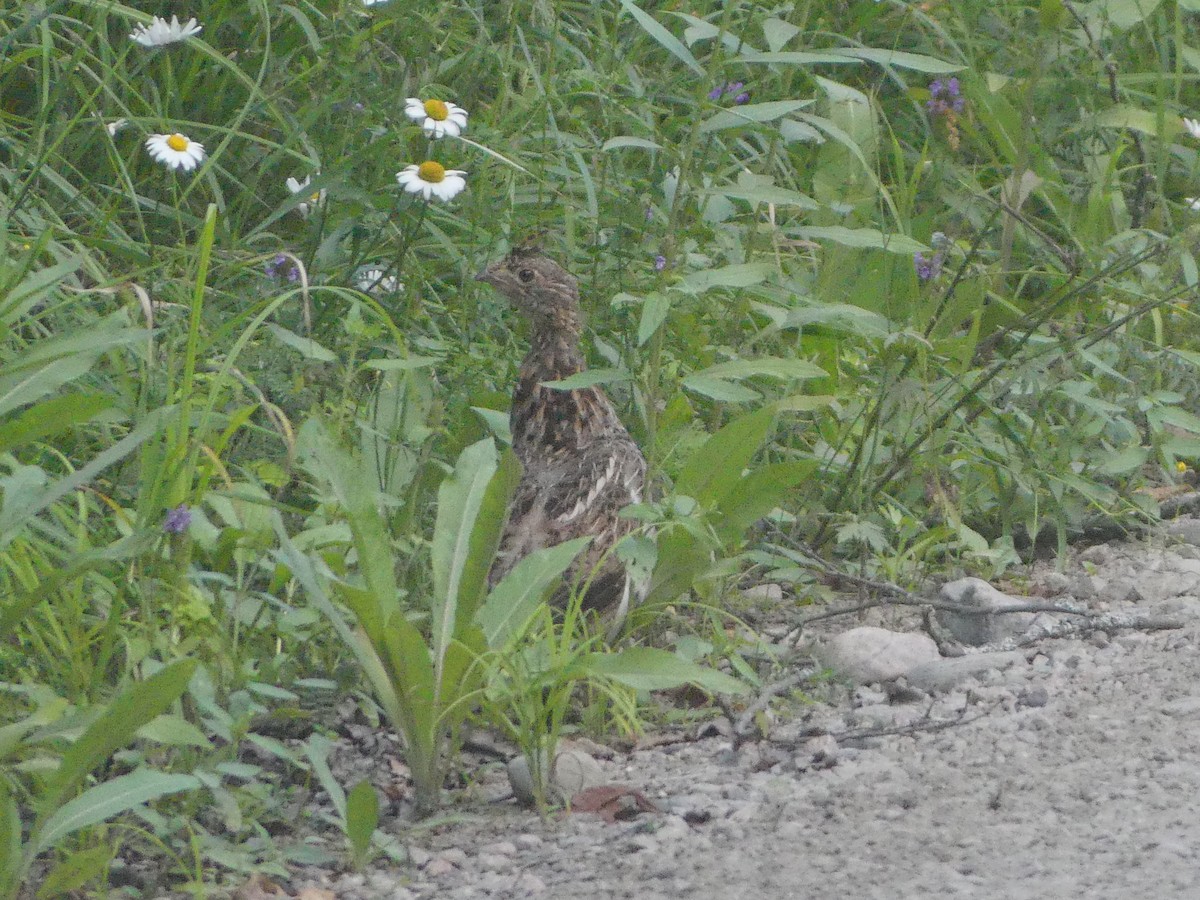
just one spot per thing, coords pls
(613, 802)
(259, 887)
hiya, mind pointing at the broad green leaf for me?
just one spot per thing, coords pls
(780, 196)
(369, 655)
(700, 30)
(778, 33)
(650, 669)
(617, 143)
(107, 800)
(175, 731)
(497, 422)
(752, 113)
(871, 238)
(757, 494)
(362, 818)
(460, 497)
(51, 363)
(115, 727)
(682, 559)
(842, 317)
(1175, 417)
(485, 539)
(316, 750)
(51, 417)
(306, 347)
(720, 390)
(716, 467)
(798, 57)
(1124, 461)
(515, 598)
(589, 378)
(902, 60)
(665, 39)
(356, 493)
(766, 365)
(654, 312)
(1131, 117)
(737, 275)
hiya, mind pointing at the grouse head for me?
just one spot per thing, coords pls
(537, 286)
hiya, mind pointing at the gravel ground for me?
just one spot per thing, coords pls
(1067, 768)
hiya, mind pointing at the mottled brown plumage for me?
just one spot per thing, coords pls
(580, 465)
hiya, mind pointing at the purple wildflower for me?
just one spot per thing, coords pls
(930, 267)
(660, 263)
(177, 520)
(649, 213)
(274, 268)
(731, 87)
(944, 97)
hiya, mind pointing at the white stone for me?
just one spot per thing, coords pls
(868, 654)
(988, 626)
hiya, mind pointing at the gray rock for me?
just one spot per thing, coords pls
(940, 675)
(573, 771)
(988, 626)
(771, 593)
(439, 867)
(1154, 587)
(1055, 583)
(528, 883)
(1034, 697)
(868, 654)
(1184, 708)
(1186, 530)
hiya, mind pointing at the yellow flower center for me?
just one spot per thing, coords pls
(177, 142)
(315, 198)
(431, 172)
(1181, 466)
(437, 110)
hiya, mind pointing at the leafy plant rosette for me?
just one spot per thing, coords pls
(428, 681)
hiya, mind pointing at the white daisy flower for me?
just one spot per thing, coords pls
(1193, 203)
(374, 2)
(115, 126)
(316, 198)
(160, 32)
(437, 117)
(1192, 126)
(175, 151)
(430, 178)
(374, 280)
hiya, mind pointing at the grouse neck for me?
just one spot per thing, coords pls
(554, 351)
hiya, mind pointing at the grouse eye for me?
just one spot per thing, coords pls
(526, 275)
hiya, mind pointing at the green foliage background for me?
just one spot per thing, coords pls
(747, 255)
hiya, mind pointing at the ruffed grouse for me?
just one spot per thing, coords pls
(580, 464)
